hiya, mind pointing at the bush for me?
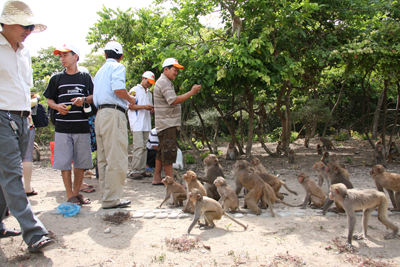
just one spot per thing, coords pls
(357, 135)
(204, 155)
(189, 159)
(341, 137)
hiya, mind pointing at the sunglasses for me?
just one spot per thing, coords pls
(29, 27)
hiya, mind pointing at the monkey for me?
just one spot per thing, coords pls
(237, 26)
(326, 143)
(314, 193)
(325, 158)
(177, 176)
(379, 154)
(393, 156)
(319, 150)
(175, 189)
(320, 167)
(228, 198)
(212, 170)
(271, 196)
(279, 148)
(232, 152)
(393, 148)
(199, 135)
(388, 181)
(257, 165)
(336, 176)
(211, 209)
(291, 156)
(335, 159)
(191, 180)
(36, 152)
(275, 183)
(367, 200)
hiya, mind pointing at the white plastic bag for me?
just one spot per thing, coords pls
(179, 161)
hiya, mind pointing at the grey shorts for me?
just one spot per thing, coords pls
(29, 150)
(70, 148)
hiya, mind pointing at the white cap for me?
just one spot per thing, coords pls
(172, 61)
(114, 46)
(67, 48)
(150, 77)
(83, 69)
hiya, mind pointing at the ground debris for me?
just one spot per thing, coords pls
(118, 217)
(182, 243)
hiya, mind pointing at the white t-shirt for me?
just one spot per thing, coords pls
(140, 120)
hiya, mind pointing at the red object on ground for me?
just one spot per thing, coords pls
(52, 152)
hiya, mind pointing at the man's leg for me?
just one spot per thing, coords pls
(82, 159)
(157, 172)
(168, 170)
(67, 179)
(137, 161)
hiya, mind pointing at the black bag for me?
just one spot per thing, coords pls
(41, 119)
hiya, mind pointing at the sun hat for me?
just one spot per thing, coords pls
(67, 48)
(17, 12)
(114, 46)
(172, 61)
(150, 77)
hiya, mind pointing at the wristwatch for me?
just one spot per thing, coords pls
(84, 99)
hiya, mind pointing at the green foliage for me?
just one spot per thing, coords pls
(189, 159)
(183, 145)
(348, 160)
(219, 153)
(204, 155)
(275, 135)
(293, 136)
(94, 158)
(341, 137)
(93, 63)
(357, 135)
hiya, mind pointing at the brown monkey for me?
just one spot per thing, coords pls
(320, 167)
(275, 183)
(314, 193)
(272, 198)
(325, 158)
(388, 181)
(279, 148)
(379, 154)
(319, 149)
(335, 159)
(326, 143)
(367, 200)
(393, 148)
(212, 171)
(175, 189)
(177, 176)
(232, 152)
(393, 156)
(336, 177)
(228, 198)
(36, 152)
(192, 183)
(211, 209)
(291, 156)
(199, 135)
(257, 165)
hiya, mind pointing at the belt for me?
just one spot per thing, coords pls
(19, 113)
(112, 106)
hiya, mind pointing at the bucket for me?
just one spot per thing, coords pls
(52, 152)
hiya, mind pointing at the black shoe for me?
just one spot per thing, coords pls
(123, 204)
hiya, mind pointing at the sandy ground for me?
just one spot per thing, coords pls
(292, 238)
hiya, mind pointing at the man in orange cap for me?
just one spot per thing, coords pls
(167, 111)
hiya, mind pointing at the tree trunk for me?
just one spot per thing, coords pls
(202, 125)
(282, 93)
(288, 122)
(396, 116)
(386, 85)
(241, 129)
(250, 101)
(376, 116)
(334, 108)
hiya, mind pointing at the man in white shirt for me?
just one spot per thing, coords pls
(140, 124)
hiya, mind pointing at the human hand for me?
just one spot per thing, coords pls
(196, 88)
(63, 109)
(132, 100)
(78, 101)
(148, 107)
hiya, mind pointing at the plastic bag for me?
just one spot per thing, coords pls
(68, 209)
(179, 160)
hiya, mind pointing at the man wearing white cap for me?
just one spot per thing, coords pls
(140, 124)
(17, 23)
(111, 98)
(167, 111)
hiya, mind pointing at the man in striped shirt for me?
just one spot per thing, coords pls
(167, 111)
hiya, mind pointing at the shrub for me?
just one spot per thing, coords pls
(189, 159)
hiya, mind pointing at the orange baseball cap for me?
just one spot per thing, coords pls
(172, 61)
(150, 77)
(67, 48)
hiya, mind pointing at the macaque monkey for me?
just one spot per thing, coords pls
(320, 167)
(175, 189)
(388, 181)
(36, 152)
(199, 135)
(319, 150)
(237, 26)
(314, 193)
(279, 148)
(257, 165)
(326, 143)
(192, 183)
(211, 209)
(325, 158)
(367, 200)
(393, 148)
(177, 176)
(228, 198)
(291, 156)
(393, 156)
(379, 154)
(275, 183)
(212, 171)
(232, 152)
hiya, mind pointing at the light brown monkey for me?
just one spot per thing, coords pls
(175, 189)
(319, 150)
(367, 200)
(276, 184)
(272, 198)
(393, 148)
(279, 148)
(325, 158)
(177, 176)
(212, 170)
(211, 209)
(232, 152)
(291, 156)
(36, 152)
(257, 165)
(192, 183)
(388, 181)
(320, 167)
(228, 198)
(336, 177)
(199, 135)
(326, 143)
(379, 154)
(314, 193)
(393, 156)
(335, 159)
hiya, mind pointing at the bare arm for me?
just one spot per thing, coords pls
(182, 98)
(123, 94)
(59, 107)
(138, 107)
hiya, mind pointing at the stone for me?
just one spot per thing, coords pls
(149, 215)
(173, 215)
(137, 215)
(183, 216)
(238, 215)
(162, 215)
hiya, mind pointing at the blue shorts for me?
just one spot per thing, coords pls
(70, 148)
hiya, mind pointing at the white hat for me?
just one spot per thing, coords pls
(150, 77)
(83, 69)
(172, 61)
(17, 12)
(114, 46)
(67, 48)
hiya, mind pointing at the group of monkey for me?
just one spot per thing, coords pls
(215, 198)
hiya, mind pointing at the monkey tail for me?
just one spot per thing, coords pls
(287, 188)
(236, 221)
(287, 204)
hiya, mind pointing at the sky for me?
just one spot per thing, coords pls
(68, 22)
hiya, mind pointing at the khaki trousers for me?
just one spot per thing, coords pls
(139, 151)
(112, 154)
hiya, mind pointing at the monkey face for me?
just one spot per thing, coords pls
(168, 180)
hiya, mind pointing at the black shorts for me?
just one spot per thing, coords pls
(168, 146)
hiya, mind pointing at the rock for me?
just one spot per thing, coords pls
(107, 230)
(149, 215)
(238, 215)
(162, 215)
(173, 215)
(183, 216)
(137, 215)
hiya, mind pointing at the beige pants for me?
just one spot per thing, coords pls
(112, 154)
(139, 151)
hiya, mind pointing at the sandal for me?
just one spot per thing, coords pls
(40, 244)
(83, 200)
(9, 232)
(135, 176)
(145, 174)
(87, 185)
(74, 200)
(33, 193)
(88, 190)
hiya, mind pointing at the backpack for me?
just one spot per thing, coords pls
(41, 119)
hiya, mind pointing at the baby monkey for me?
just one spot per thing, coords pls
(175, 189)
(228, 198)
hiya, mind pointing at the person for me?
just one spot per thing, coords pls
(66, 93)
(167, 113)
(17, 23)
(152, 147)
(111, 99)
(140, 124)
